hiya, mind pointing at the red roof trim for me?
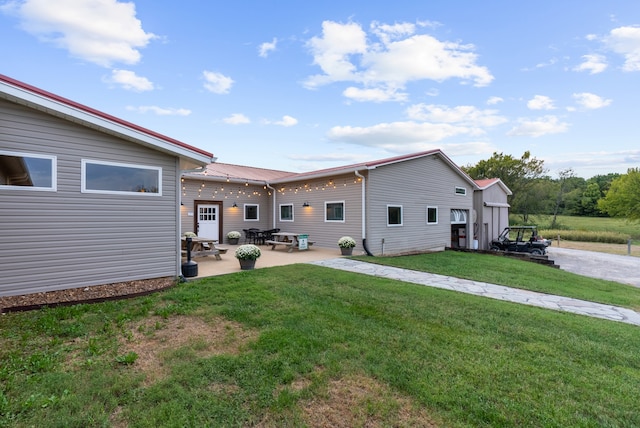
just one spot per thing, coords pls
(101, 114)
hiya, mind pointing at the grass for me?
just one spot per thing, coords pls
(591, 229)
(305, 345)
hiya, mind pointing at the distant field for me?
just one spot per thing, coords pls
(601, 227)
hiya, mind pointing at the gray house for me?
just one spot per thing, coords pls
(85, 198)
(410, 203)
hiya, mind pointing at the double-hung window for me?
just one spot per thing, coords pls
(251, 212)
(432, 215)
(286, 212)
(394, 215)
(334, 211)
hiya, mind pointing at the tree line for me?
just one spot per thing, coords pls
(536, 192)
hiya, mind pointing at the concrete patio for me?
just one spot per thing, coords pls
(209, 266)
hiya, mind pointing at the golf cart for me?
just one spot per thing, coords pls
(520, 239)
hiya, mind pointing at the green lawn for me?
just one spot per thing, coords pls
(303, 345)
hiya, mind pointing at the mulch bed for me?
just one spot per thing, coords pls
(94, 294)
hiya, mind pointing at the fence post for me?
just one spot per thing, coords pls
(629, 247)
(558, 239)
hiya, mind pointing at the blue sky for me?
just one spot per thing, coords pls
(300, 86)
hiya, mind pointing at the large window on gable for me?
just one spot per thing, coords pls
(334, 211)
(112, 177)
(27, 171)
(394, 215)
(251, 212)
(286, 212)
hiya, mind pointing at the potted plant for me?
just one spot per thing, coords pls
(233, 237)
(346, 244)
(247, 255)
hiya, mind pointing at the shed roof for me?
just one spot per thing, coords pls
(488, 182)
(31, 96)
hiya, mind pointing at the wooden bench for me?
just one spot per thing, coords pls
(204, 253)
(289, 244)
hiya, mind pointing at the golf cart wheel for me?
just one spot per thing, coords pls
(536, 252)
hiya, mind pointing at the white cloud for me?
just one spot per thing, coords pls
(626, 41)
(99, 31)
(345, 53)
(467, 115)
(590, 101)
(494, 100)
(217, 83)
(130, 81)
(236, 119)
(540, 102)
(594, 64)
(267, 47)
(397, 135)
(374, 94)
(538, 127)
(286, 121)
(161, 111)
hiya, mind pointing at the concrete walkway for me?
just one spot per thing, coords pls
(484, 289)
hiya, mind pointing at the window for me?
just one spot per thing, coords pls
(251, 212)
(394, 215)
(334, 211)
(432, 215)
(286, 212)
(461, 191)
(27, 171)
(111, 177)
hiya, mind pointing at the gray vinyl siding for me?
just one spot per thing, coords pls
(68, 239)
(227, 193)
(491, 220)
(311, 220)
(414, 184)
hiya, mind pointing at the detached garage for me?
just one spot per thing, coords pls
(85, 198)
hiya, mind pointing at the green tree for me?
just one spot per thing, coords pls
(589, 200)
(519, 175)
(623, 197)
(564, 176)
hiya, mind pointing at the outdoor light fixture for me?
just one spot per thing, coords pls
(234, 205)
(306, 204)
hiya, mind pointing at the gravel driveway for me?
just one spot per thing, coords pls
(623, 269)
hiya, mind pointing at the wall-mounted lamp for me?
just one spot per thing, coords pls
(234, 205)
(306, 204)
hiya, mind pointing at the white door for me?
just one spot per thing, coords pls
(208, 221)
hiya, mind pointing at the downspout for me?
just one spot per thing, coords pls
(273, 192)
(364, 214)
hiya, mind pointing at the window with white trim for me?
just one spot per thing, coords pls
(334, 211)
(119, 178)
(394, 215)
(286, 212)
(462, 191)
(27, 171)
(251, 212)
(432, 215)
